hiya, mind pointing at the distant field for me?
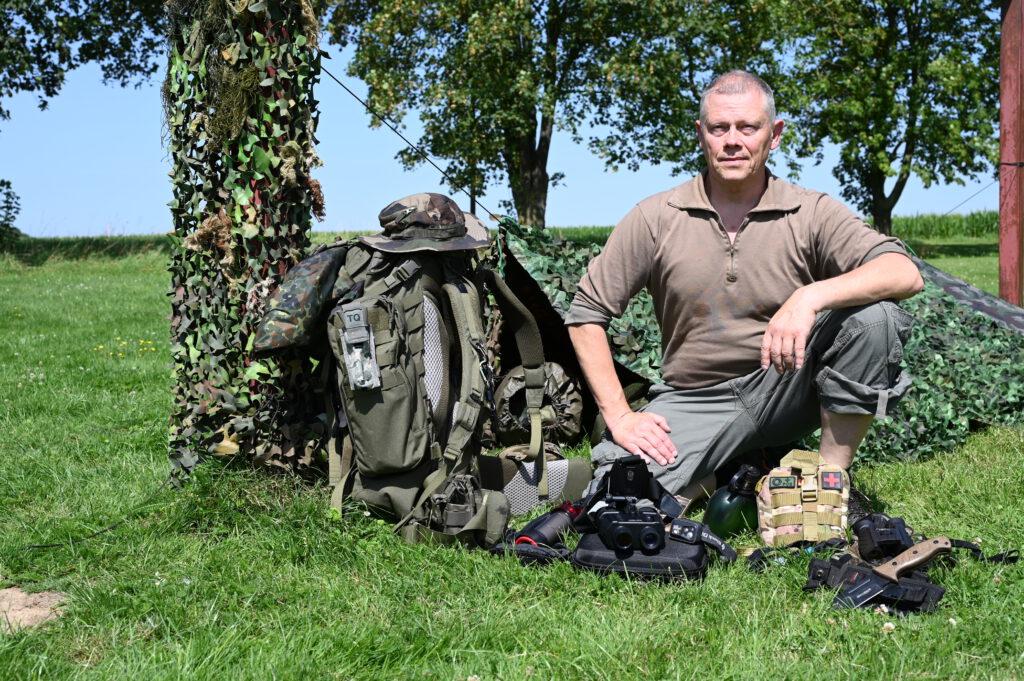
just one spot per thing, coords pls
(973, 259)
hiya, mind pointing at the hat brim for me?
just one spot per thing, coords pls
(476, 237)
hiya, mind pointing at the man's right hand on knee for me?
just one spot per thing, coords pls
(644, 434)
(640, 433)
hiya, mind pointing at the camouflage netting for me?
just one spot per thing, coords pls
(966, 363)
(241, 119)
(635, 337)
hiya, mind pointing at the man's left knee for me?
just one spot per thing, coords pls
(861, 371)
(879, 330)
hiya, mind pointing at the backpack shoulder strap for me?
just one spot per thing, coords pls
(466, 307)
(531, 352)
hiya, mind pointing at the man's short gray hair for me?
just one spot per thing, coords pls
(735, 83)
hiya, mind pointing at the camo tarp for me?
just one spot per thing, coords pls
(1007, 314)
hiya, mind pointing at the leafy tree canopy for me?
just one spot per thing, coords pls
(42, 41)
(493, 80)
(902, 87)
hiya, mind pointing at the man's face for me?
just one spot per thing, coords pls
(737, 136)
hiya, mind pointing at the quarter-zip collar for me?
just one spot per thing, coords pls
(778, 196)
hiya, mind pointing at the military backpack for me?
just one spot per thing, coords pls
(407, 380)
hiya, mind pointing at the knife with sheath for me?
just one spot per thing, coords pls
(864, 589)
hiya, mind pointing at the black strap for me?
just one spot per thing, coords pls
(1007, 557)
(691, 532)
(531, 554)
(761, 559)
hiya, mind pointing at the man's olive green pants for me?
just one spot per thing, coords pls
(851, 366)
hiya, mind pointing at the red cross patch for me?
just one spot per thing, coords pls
(831, 480)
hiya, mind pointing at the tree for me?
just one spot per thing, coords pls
(902, 87)
(41, 42)
(9, 208)
(492, 80)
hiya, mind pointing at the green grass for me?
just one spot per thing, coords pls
(973, 259)
(242, 575)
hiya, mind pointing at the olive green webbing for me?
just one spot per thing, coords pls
(531, 354)
(484, 528)
(464, 306)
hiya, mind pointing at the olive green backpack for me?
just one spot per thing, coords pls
(411, 386)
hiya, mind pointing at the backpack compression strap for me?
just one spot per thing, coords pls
(531, 352)
(465, 304)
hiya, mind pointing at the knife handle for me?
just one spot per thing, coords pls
(914, 556)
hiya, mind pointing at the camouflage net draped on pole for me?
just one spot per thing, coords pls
(241, 119)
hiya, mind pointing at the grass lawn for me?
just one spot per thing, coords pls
(973, 259)
(242, 575)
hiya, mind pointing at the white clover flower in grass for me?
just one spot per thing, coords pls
(888, 627)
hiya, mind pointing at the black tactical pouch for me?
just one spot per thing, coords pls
(880, 536)
(913, 592)
(684, 556)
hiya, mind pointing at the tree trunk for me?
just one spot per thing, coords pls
(528, 174)
(883, 219)
(882, 204)
(241, 118)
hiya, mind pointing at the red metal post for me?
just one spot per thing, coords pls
(1011, 154)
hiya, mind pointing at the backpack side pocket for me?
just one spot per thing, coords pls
(379, 387)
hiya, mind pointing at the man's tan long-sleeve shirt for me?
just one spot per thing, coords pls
(713, 299)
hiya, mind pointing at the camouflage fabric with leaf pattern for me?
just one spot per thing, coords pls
(293, 318)
(240, 116)
(557, 266)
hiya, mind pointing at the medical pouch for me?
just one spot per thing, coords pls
(803, 499)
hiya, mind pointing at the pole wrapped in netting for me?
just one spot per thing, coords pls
(241, 119)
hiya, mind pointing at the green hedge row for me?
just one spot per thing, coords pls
(977, 224)
(37, 250)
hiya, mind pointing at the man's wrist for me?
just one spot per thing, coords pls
(812, 295)
(615, 417)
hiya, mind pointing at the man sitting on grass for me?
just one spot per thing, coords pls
(774, 303)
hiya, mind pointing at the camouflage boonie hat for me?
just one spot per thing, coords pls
(427, 222)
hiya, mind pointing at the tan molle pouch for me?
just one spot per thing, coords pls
(803, 499)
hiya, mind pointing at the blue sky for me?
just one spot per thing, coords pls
(94, 163)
